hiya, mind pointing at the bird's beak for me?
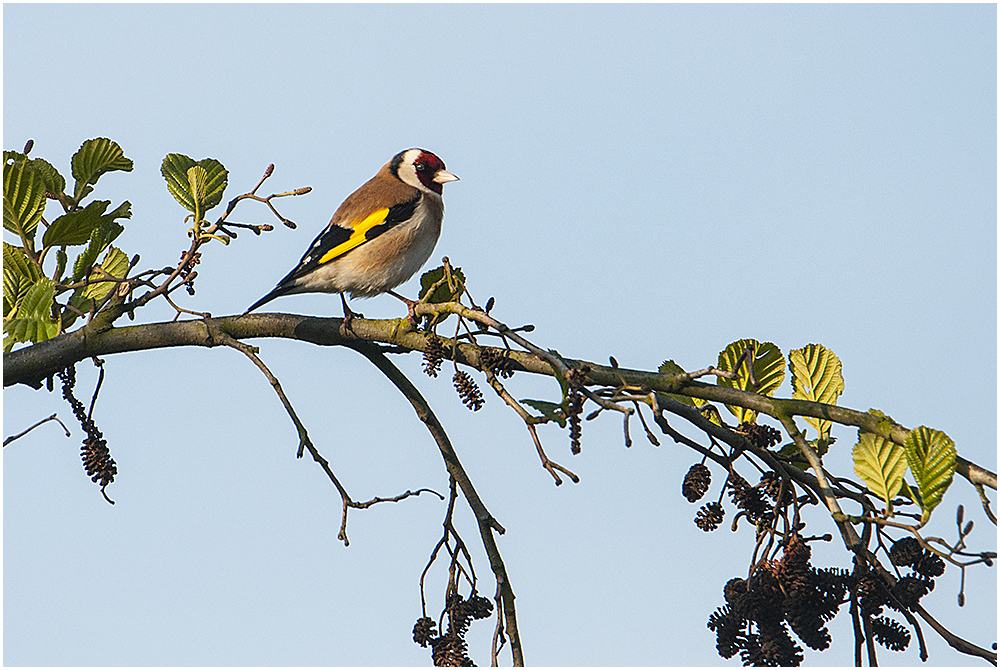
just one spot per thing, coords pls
(443, 177)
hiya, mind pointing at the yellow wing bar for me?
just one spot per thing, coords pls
(358, 235)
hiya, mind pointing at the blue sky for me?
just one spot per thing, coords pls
(645, 181)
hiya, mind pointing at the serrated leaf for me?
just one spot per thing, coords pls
(33, 320)
(95, 158)
(19, 274)
(881, 464)
(671, 368)
(23, 199)
(174, 170)
(115, 263)
(444, 292)
(816, 376)
(122, 211)
(54, 182)
(885, 422)
(550, 410)
(931, 456)
(75, 227)
(216, 180)
(197, 178)
(202, 194)
(81, 305)
(103, 235)
(768, 368)
(61, 260)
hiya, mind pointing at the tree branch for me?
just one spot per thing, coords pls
(27, 430)
(31, 365)
(487, 524)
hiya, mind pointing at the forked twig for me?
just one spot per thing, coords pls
(529, 421)
(36, 425)
(306, 443)
(487, 523)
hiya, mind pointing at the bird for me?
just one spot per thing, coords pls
(379, 236)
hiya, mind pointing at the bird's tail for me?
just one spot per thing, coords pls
(277, 292)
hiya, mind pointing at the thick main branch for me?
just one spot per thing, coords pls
(32, 365)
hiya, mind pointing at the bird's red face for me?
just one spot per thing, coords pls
(431, 172)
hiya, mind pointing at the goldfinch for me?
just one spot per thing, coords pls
(379, 237)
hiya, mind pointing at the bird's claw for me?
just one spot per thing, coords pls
(349, 314)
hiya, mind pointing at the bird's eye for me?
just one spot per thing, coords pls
(421, 167)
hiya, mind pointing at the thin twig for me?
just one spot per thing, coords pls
(850, 536)
(530, 421)
(97, 389)
(986, 503)
(983, 557)
(31, 428)
(487, 523)
(304, 441)
(401, 496)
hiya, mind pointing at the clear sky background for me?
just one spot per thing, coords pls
(645, 181)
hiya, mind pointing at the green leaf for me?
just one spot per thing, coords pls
(115, 263)
(881, 464)
(885, 423)
(96, 157)
(19, 274)
(197, 190)
(768, 368)
(33, 321)
(550, 410)
(559, 375)
(444, 292)
(671, 368)
(103, 235)
(78, 301)
(122, 211)
(816, 376)
(75, 227)
(197, 178)
(23, 198)
(790, 452)
(54, 182)
(61, 260)
(931, 456)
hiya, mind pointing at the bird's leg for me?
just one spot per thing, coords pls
(349, 314)
(410, 304)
